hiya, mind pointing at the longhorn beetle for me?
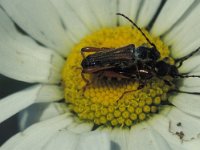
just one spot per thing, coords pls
(129, 62)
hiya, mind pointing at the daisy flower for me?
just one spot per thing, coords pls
(67, 108)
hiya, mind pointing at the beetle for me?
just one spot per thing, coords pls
(124, 62)
(129, 62)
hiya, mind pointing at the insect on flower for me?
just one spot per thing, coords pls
(129, 62)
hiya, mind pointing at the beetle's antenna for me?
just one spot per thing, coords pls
(188, 76)
(136, 27)
(182, 59)
(179, 91)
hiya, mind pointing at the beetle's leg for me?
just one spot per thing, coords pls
(167, 82)
(86, 80)
(186, 92)
(183, 75)
(139, 78)
(182, 59)
(126, 93)
(141, 85)
(109, 74)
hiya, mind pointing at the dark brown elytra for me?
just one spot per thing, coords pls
(129, 62)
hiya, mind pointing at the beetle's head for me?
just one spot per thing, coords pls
(163, 69)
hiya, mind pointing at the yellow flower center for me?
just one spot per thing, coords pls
(107, 101)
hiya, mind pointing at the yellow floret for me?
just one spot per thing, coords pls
(103, 101)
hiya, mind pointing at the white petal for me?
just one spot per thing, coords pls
(129, 8)
(80, 127)
(40, 20)
(119, 138)
(94, 141)
(192, 145)
(23, 64)
(40, 112)
(49, 93)
(67, 140)
(190, 85)
(169, 15)
(85, 13)
(143, 137)
(105, 11)
(63, 140)
(14, 103)
(7, 27)
(22, 59)
(38, 134)
(191, 82)
(73, 23)
(184, 37)
(161, 124)
(188, 103)
(189, 124)
(147, 12)
(191, 65)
